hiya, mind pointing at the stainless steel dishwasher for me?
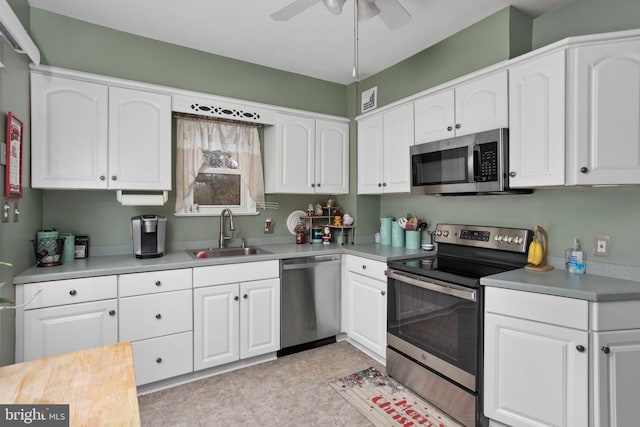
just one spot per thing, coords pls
(310, 300)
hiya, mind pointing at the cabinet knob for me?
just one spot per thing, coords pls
(364, 267)
(580, 348)
(114, 178)
(236, 298)
(379, 184)
(449, 128)
(158, 316)
(313, 185)
(318, 185)
(245, 296)
(458, 126)
(606, 350)
(384, 184)
(72, 292)
(383, 293)
(112, 312)
(158, 283)
(102, 178)
(512, 174)
(584, 169)
(159, 360)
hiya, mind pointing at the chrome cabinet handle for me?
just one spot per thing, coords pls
(606, 350)
(580, 348)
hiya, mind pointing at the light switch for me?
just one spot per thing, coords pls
(6, 209)
(16, 212)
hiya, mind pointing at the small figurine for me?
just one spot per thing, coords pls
(337, 220)
(330, 203)
(310, 209)
(318, 209)
(326, 235)
(347, 219)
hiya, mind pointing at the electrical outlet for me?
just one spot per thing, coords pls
(6, 209)
(602, 245)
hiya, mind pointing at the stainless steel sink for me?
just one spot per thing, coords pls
(224, 252)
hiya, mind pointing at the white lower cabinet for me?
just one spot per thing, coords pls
(367, 304)
(536, 366)
(236, 312)
(156, 316)
(65, 315)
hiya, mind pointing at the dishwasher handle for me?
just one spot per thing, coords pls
(309, 262)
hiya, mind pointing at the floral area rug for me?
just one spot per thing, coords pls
(388, 404)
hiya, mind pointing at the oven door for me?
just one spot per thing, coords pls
(435, 323)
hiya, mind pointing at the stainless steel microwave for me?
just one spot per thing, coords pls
(470, 164)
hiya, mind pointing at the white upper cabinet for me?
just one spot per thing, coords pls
(471, 107)
(69, 121)
(89, 135)
(304, 155)
(537, 122)
(603, 129)
(139, 140)
(384, 141)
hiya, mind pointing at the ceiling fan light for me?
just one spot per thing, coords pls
(334, 6)
(367, 10)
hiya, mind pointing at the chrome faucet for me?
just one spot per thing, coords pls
(232, 228)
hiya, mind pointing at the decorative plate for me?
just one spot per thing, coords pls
(293, 220)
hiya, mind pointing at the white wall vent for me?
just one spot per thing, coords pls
(369, 99)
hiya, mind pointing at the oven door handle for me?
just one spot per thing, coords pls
(449, 289)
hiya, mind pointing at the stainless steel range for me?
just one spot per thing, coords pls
(434, 314)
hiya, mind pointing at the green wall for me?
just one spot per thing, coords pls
(15, 245)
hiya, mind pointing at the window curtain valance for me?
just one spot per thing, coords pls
(197, 135)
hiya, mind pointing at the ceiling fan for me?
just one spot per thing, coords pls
(391, 12)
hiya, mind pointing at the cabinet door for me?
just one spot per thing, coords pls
(434, 117)
(370, 155)
(293, 158)
(398, 138)
(69, 126)
(607, 106)
(616, 378)
(332, 157)
(56, 330)
(534, 373)
(260, 317)
(139, 140)
(482, 104)
(536, 122)
(216, 325)
(367, 312)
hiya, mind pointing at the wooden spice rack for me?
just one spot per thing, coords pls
(328, 220)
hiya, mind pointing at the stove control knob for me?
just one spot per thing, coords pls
(438, 232)
(445, 233)
(509, 239)
(499, 238)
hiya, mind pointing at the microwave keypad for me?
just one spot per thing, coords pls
(488, 165)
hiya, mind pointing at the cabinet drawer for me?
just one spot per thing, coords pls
(367, 267)
(615, 315)
(164, 357)
(154, 281)
(569, 312)
(71, 291)
(235, 273)
(149, 316)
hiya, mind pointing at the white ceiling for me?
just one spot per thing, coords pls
(315, 43)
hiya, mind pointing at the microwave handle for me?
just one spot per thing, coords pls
(476, 163)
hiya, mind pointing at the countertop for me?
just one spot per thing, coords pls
(560, 283)
(122, 264)
(98, 384)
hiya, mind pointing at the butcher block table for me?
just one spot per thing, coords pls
(98, 384)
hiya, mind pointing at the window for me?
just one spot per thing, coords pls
(218, 166)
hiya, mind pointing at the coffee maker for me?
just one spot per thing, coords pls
(147, 233)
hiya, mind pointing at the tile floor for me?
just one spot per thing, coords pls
(290, 391)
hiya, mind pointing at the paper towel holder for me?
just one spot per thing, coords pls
(137, 199)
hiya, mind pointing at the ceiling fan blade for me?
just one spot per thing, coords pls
(292, 9)
(393, 14)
